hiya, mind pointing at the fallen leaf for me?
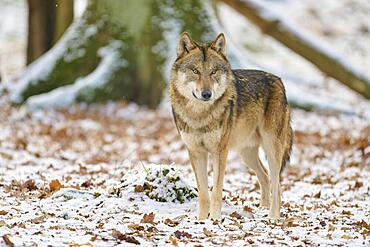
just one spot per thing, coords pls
(6, 156)
(29, 185)
(55, 185)
(182, 234)
(136, 227)
(21, 225)
(139, 188)
(3, 212)
(173, 240)
(237, 224)
(331, 228)
(152, 229)
(207, 232)
(39, 219)
(363, 224)
(347, 212)
(318, 194)
(358, 184)
(236, 215)
(7, 240)
(289, 222)
(170, 222)
(248, 209)
(120, 236)
(147, 186)
(317, 180)
(87, 184)
(148, 218)
(346, 237)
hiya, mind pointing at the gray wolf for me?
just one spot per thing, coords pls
(217, 109)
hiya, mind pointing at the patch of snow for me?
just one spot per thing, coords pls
(40, 69)
(163, 183)
(79, 7)
(66, 95)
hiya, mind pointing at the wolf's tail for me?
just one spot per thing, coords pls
(288, 150)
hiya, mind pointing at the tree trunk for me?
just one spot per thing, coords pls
(323, 58)
(41, 22)
(118, 49)
(47, 21)
(63, 17)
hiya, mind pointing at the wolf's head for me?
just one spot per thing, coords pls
(201, 71)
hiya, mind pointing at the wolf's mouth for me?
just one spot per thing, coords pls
(195, 95)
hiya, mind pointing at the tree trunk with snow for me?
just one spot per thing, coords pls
(118, 49)
(321, 56)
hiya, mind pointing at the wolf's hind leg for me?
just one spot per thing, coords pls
(250, 157)
(199, 163)
(274, 152)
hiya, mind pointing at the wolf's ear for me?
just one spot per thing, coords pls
(185, 44)
(219, 44)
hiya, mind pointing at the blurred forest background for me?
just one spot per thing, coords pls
(83, 108)
(107, 48)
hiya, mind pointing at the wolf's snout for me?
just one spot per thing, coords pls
(206, 94)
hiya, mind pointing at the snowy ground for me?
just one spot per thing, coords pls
(77, 176)
(61, 182)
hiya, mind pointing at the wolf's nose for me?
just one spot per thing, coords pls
(206, 94)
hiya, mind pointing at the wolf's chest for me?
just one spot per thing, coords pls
(202, 141)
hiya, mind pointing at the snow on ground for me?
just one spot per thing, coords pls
(78, 177)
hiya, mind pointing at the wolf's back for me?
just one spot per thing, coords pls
(257, 89)
(257, 86)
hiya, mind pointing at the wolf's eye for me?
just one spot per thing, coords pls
(195, 71)
(214, 72)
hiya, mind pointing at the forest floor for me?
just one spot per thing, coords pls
(77, 177)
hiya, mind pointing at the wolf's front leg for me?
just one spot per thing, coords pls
(199, 163)
(219, 164)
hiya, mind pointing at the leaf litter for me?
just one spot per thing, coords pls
(68, 183)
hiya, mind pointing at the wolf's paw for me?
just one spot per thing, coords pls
(274, 215)
(203, 212)
(215, 214)
(203, 215)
